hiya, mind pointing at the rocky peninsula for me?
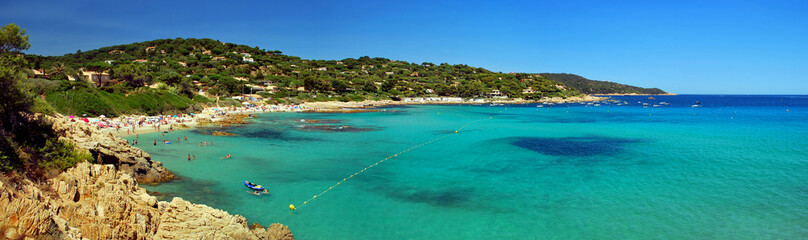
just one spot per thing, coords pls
(104, 201)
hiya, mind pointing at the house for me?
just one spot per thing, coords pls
(255, 87)
(39, 73)
(388, 73)
(207, 52)
(116, 52)
(182, 64)
(109, 62)
(247, 59)
(149, 48)
(340, 63)
(322, 69)
(219, 58)
(253, 97)
(140, 61)
(241, 78)
(495, 93)
(271, 88)
(429, 90)
(99, 79)
(301, 89)
(528, 90)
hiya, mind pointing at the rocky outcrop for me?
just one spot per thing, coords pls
(107, 149)
(222, 133)
(98, 202)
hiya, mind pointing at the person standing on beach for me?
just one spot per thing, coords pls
(193, 157)
(155, 142)
(189, 157)
(186, 138)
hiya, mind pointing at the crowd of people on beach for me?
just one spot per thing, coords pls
(134, 124)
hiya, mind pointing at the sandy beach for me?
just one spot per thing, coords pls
(127, 125)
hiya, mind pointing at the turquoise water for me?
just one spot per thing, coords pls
(736, 168)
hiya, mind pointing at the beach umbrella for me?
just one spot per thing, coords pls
(84, 115)
(70, 116)
(102, 116)
(175, 115)
(192, 114)
(87, 121)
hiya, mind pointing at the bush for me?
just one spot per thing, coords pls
(78, 102)
(61, 155)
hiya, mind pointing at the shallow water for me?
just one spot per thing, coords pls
(732, 169)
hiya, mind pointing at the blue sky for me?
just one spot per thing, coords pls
(697, 47)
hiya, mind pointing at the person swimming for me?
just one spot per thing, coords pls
(226, 157)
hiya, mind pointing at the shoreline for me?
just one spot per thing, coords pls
(129, 125)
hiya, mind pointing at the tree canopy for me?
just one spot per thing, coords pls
(13, 39)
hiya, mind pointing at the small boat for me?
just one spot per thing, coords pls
(651, 98)
(253, 186)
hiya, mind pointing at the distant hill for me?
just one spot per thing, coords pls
(169, 75)
(587, 86)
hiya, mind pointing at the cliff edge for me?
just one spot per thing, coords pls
(107, 149)
(92, 201)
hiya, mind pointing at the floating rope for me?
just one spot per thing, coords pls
(292, 206)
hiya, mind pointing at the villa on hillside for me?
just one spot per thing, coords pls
(140, 61)
(149, 48)
(39, 73)
(99, 79)
(249, 97)
(218, 58)
(528, 90)
(495, 93)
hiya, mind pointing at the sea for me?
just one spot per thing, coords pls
(632, 167)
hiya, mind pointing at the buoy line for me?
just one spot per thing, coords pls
(292, 206)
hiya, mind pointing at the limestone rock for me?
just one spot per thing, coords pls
(92, 201)
(107, 149)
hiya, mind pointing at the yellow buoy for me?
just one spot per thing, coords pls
(455, 131)
(291, 206)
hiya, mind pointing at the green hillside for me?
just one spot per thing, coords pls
(225, 69)
(173, 75)
(587, 86)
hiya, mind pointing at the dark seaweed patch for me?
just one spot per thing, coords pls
(573, 146)
(453, 197)
(272, 134)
